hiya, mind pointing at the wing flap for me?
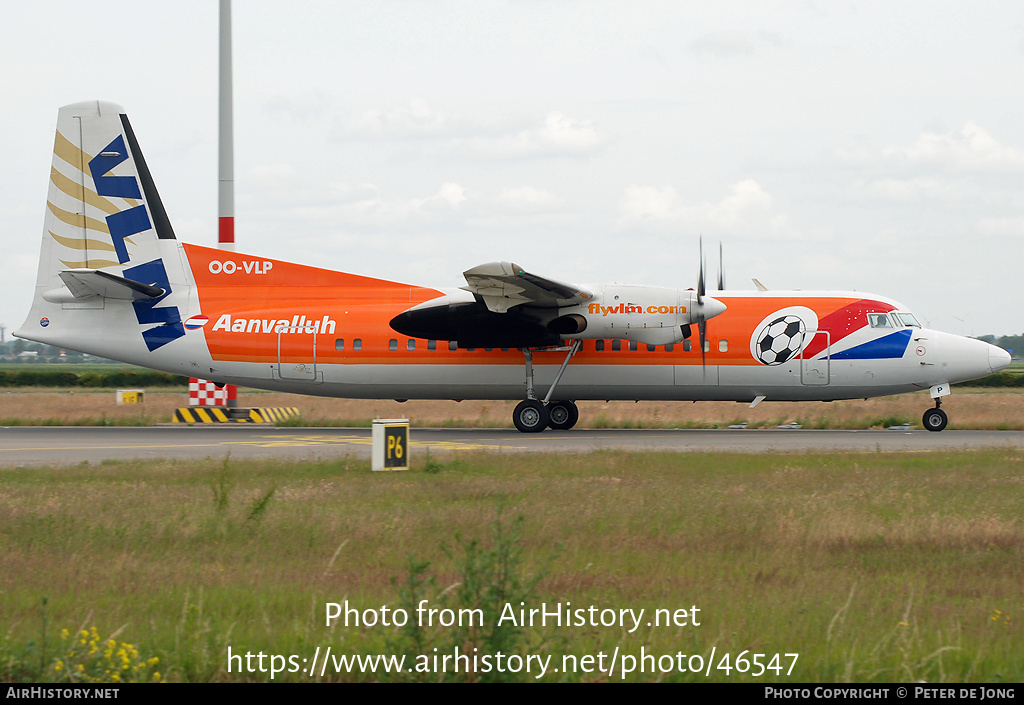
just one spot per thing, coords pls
(503, 285)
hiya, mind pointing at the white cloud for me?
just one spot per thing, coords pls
(299, 107)
(969, 150)
(527, 199)
(555, 135)
(728, 44)
(661, 205)
(416, 120)
(282, 185)
(447, 198)
(647, 203)
(906, 191)
(1005, 227)
(338, 207)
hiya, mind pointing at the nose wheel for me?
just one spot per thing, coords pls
(935, 419)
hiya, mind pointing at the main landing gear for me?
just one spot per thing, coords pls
(533, 415)
(935, 419)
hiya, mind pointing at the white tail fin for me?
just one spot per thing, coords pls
(106, 239)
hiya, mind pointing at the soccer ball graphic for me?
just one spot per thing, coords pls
(780, 340)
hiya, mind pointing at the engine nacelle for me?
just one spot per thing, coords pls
(647, 314)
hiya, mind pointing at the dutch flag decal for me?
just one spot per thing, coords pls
(196, 322)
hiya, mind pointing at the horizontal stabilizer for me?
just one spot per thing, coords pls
(83, 283)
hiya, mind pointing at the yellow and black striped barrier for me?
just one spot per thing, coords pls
(222, 414)
(273, 414)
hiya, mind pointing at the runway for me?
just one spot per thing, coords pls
(40, 446)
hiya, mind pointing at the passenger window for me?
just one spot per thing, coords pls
(669, 347)
(687, 345)
(431, 345)
(707, 346)
(723, 346)
(599, 345)
(357, 344)
(392, 344)
(632, 345)
(616, 344)
(410, 345)
(879, 320)
(339, 344)
(650, 348)
(453, 345)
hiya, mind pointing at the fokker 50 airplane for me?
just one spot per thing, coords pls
(114, 281)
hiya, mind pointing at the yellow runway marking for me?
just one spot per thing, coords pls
(277, 442)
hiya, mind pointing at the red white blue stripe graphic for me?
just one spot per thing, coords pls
(196, 322)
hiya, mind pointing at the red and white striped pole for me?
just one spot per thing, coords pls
(226, 160)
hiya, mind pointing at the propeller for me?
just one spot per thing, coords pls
(702, 321)
(707, 307)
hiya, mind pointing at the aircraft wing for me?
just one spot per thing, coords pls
(503, 285)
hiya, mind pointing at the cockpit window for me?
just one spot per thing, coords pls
(879, 320)
(908, 320)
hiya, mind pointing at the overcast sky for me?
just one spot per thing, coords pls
(827, 145)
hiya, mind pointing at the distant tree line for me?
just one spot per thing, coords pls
(1014, 344)
(19, 350)
(65, 377)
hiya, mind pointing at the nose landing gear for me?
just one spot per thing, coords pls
(935, 419)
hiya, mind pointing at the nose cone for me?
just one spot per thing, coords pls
(712, 307)
(998, 359)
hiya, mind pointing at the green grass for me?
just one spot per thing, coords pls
(71, 366)
(873, 567)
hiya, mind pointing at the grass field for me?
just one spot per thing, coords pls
(999, 409)
(871, 567)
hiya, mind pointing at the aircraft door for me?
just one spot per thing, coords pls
(296, 353)
(815, 370)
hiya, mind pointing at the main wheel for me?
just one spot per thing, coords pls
(564, 415)
(935, 419)
(530, 416)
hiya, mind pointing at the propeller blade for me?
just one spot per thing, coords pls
(700, 277)
(721, 269)
(702, 328)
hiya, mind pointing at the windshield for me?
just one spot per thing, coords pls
(908, 320)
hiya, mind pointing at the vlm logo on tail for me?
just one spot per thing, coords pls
(135, 220)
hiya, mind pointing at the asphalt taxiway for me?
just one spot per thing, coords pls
(38, 446)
